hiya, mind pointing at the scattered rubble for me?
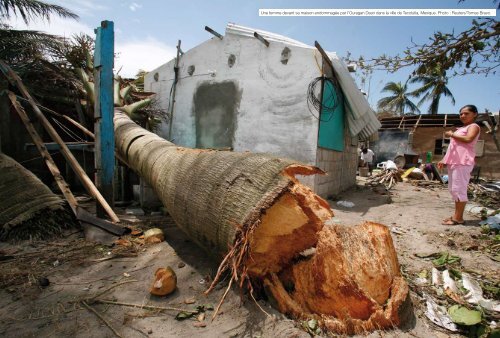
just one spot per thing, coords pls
(389, 177)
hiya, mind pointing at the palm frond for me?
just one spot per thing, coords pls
(24, 44)
(31, 9)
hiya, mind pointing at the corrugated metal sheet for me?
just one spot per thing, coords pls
(361, 118)
(232, 28)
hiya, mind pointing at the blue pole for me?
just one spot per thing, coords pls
(103, 111)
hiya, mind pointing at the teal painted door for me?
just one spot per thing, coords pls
(331, 125)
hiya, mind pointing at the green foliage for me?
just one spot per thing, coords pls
(31, 9)
(434, 86)
(445, 259)
(463, 316)
(473, 51)
(399, 100)
(38, 58)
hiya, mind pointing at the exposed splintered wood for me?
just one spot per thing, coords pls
(251, 212)
(289, 226)
(351, 283)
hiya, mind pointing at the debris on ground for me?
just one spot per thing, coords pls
(346, 204)
(165, 282)
(453, 312)
(487, 194)
(389, 177)
(154, 235)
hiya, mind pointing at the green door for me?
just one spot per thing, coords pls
(331, 125)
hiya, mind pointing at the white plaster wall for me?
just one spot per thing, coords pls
(273, 116)
(205, 58)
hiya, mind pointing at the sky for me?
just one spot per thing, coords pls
(147, 31)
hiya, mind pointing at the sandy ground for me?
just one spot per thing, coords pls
(78, 270)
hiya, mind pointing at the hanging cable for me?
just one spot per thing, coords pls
(334, 98)
(70, 133)
(39, 157)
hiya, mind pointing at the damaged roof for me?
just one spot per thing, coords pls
(426, 121)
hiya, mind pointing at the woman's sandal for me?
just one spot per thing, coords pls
(451, 221)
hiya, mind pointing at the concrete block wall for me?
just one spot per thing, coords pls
(340, 167)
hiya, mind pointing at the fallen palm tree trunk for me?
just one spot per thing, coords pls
(251, 211)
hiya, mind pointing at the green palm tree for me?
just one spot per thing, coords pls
(38, 58)
(27, 44)
(399, 99)
(434, 86)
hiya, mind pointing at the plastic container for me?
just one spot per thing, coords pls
(363, 171)
(428, 157)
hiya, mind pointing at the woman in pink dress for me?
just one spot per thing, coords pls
(460, 159)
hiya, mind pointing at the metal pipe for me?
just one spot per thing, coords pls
(261, 38)
(210, 30)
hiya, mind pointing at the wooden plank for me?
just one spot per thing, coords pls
(49, 161)
(416, 124)
(324, 55)
(104, 153)
(401, 122)
(86, 217)
(87, 183)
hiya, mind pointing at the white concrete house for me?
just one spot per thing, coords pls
(241, 93)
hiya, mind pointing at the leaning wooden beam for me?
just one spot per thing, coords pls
(86, 181)
(67, 118)
(49, 161)
(269, 231)
(80, 214)
(74, 123)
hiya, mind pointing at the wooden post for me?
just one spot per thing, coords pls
(103, 111)
(4, 113)
(176, 78)
(87, 183)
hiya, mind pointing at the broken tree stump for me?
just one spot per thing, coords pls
(269, 230)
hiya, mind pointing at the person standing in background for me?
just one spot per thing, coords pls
(460, 159)
(367, 155)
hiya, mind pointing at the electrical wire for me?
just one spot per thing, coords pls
(335, 97)
(38, 157)
(64, 128)
(68, 132)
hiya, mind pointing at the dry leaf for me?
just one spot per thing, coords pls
(123, 242)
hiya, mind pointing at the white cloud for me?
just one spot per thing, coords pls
(134, 6)
(131, 56)
(146, 54)
(81, 7)
(56, 26)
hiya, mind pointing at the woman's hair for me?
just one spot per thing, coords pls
(471, 107)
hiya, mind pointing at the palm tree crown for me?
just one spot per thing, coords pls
(17, 45)
(399, 100)
(31, 9)
(434, 85)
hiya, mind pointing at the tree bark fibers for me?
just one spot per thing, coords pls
(251, 211)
